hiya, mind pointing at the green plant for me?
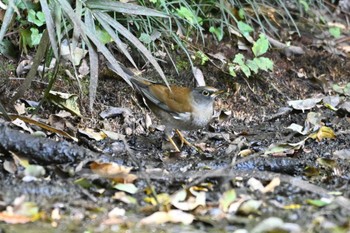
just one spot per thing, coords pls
(86, 24)
(343, 89)
(201, 57)
(247, 66)
(335, 31)
(150, 26)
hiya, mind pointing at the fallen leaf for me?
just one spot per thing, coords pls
(297, 128)
(20, 212)
(305, 104)
(323, 132)
(270, 187)
(255, 184)
(116, 172)
(198, 75)
(174, 216)
(129, 188)
(284, 148)
(345, 106)
(330, 163)
(20, 108)
(292, 207)
(72, 53)
(184, 200)
(14, 218)
(114, 111)
(227, 199)
(42, 125)
(116, 212)
(163, 199)
(92, 134)
(249, 207)
(20, 123)
(34, 170)
(271, 224)
(331, 101)
(115, 216)
(122, 196)
(84, 68)
(245, 152)
(318, 202)
(65, 101)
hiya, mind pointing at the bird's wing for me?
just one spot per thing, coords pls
(174, 101)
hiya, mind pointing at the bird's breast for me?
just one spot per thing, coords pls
(202, 116)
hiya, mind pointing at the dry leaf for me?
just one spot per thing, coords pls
(272, 185)
(92, 134)
(174, 216)
(323, 132)
(188, 201)
(116, 172)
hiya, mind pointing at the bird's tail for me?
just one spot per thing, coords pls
(134, 78)
(126, 70)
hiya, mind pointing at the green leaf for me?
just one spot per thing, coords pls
(304, 4)
(103, 35)
(317, 203)
(35, 36)
(145, 38)
(260, 46)
(203, 58)
(253, 66)
(129, 188)
(335, 31)
(244, 28)
(338, 89)
(347, 89)
(83, 182)
(25, 38)
(245, 69)
(264, 63)
(34, 170)
(239, 59)
(187, 14)
(41, 17)
(241, 13)
(232, 70)
(31, 16)
(227, 199)
(38, 18)
(218, 32)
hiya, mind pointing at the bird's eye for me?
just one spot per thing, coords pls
(205, 93)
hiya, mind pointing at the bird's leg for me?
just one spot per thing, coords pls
(183, 139)
(173, 143)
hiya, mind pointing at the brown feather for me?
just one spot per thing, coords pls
(177, 99)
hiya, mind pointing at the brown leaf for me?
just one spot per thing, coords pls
(323, 132)
(14, 218)
(116, 172)
(174, 216)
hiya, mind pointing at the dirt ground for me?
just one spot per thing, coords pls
(312, 193)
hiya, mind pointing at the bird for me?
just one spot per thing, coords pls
(177, 107)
